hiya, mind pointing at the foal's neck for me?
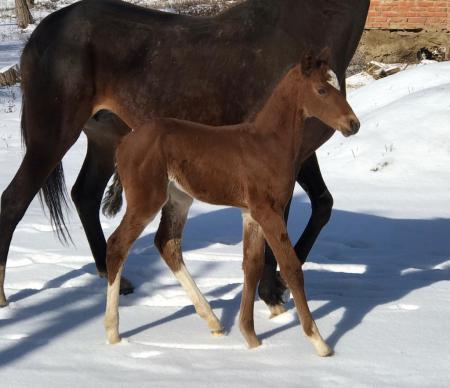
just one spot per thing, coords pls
(281, 114)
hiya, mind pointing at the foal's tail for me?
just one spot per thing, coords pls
(112, 203)
(54, 191)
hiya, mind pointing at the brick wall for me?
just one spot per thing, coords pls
(409, 14)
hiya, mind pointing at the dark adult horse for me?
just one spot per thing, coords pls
(99, 55)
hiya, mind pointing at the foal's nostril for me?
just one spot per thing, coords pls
(354, 125)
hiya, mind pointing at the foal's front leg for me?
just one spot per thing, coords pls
(253, 266)
(271, 287)
(276, 235)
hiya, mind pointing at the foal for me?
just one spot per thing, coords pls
(169, 162)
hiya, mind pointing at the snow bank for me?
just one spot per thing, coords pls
(377, 280)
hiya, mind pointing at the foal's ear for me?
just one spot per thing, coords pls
(323, 59)
(307, 63)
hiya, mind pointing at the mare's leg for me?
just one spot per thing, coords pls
(50, 131)
(141, 209)
(253, 266)
(104, 131)
(311, 180)
(276, 235)
(271, 287)
(168, 241)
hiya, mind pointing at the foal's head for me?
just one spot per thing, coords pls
(321, 98)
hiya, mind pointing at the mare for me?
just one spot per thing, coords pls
(166, 162)
(85, 64)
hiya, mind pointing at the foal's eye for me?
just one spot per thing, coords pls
(322, 91)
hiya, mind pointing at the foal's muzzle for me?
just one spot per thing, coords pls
(352, 127)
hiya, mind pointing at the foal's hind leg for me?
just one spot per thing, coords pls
(118, 245)
(138, 215)
(253, 266)
(168, 241)
(276, 235)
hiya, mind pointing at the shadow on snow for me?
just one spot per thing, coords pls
(394, 257)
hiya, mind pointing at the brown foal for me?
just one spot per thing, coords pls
(169, 162)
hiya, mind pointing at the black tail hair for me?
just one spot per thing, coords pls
(112, 203)
(53, 193)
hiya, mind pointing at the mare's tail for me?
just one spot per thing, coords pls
(112, 203)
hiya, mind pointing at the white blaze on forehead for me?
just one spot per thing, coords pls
(333, 81)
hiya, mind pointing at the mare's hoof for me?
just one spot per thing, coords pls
(274, 292)
(3, 303)
(126, 287)
(218, 333)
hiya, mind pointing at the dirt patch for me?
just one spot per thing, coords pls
(399, 46)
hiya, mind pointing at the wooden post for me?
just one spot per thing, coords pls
(23, 14)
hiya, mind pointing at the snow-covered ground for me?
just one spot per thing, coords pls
(377, 279)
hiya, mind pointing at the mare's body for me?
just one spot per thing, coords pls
(108, 55)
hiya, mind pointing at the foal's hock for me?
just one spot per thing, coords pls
(169, 162)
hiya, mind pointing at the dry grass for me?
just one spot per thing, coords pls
(191, 7)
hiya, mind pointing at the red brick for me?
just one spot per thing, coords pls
(409, 13)
(418, 20)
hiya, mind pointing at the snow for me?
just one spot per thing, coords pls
(377, 279)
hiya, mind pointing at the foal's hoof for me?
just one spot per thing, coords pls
(253, 342)
(218, 333)
(3, 300)
(113, 338)
(126, 287)
(324, 351)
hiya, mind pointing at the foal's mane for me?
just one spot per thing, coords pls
(318, 64)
